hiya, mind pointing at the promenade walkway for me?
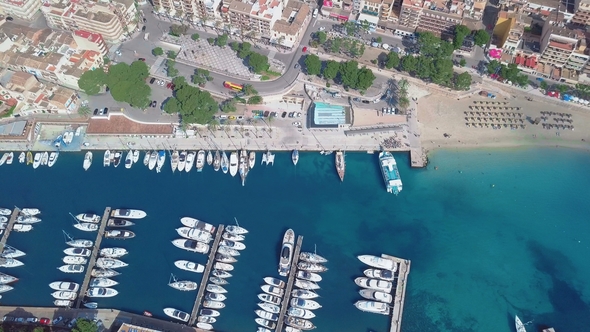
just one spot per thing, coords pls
(290, 281)
(8, 229)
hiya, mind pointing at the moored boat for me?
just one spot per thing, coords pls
(304, 294)
(266, 315)
(232, 237)
(305, 275)
(273, 308)
(22, 228)
(37, 160)
(233, 163)
(221, 274)
(243, 166)
(11, 252)
(82, 252)
(146, 158)
(129, 159)
(216, 289)
(45, 158)
(213, 304)
(305, 304)
(200, 160)
(216, 161)
(209, 158)
(135, 156)
(10, 158)
(311, 267)
(181, 161)
(194, 234)
(64, 295)
(373, 306)
(21, 157)
(63, 303)
(102, 282)
(119, 234)
(299, 323)
(128, 214)
(88, 217)
(225, 258)
(295, 157)
(224, 163)
(287, 252)
(234, 229)
(274, 282)
(152, 160)
(376, 284)
(378, 262)
(52, 158)
(101, 292)
(251, 159)
(209, 313)
(7, 278)
(380, 274)
(87, 160)
(228, 251)
(110, 263)
(30, 212)
(205, 319)
(29, 157)
(107, 158)
(116, 222)
(312, 257)
(191, 245)
(161, 160)
(215, 297)
(71, 268)
(268, 289)
(218, 281)
(300, 313)
(519, 325)
(270, 298)
(74, 260)
(117, 159)
(375, 295)
(104, 273)
(80, 243)
(223, 266)
(174, 158)
(5, 212)
(189, 266)
(184, 285)
(24, 219)
(64, 286)
(340, 165)
(306, 284)
(266, 323)
(391, 177)
(86, 227)
(205, 326)
(190, 161)
(198, 224)
(233, 244)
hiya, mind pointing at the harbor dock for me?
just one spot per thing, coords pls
(8, 229)
(290, 281)
(93, 257)
(206, 273)
(403, 271)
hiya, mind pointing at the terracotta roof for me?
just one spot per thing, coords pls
(120, 124)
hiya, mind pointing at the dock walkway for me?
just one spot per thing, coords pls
(206, 273)
(290, 281)
(93, 257)
(8, 229)
(403, 271)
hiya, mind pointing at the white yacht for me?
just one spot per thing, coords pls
(128, 214)
(116, 222)
(275, 309)
(21, 157)
(209, 158)
(5, 212)
(26, 219)
(71, 268)
(251, 159)
(64, 295)
(224, 163)
(378, 262)
(209, 313)
(153, 159)
(30, 212)
(216, 289)
(80, 243)
(234, 229)
(129, 159)
(37, 160)
(213, 304)
(305, 304)
(233, 245)
(63, 303)
(225, 258)
(263, 161)
(232, 237)
(304, 294)
(243, 166)
(110, 263)
(274, 282)
(45, 158)
(64, 286)
(104, 273)
(218, 281)
(191, 245)
(74, 260)
(372, 306)
(306, 284)
(88, 217)
(11, 252)
(6, 278)
(200, 160)
(146, 159)
(190, 161)
(371, 294)
(181, 161)
(215, 297)
(22, 228)
(102, 282)
(205, 319)
(86, 227)
(52, 159)
(270, 299)
(217, 161)
(266, 323)
(205, 326)
(299, 323)
(194, 234)
(87, 160)
(174, 160)
(189, 266)
(113, 252)
(267, 315)
(184, 285)
(161, 160)
(198, 224)
(117, 158)
(311, 267)
(101, 292)
(376, 284)
(221, 274)
(228, 251)
(295, 157)
(223, 266)
(268, 289)
(10, 158)
(304, 275)
(380, 274)
(135, 156)
(5, 288)
(270, 158)
(82, 252)
(300, 313)
(286, 253)
(312, 257)
(233, 163)
(107, 158)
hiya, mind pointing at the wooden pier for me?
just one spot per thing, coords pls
(403, 270)
(93, 257)
(206, 273)
(290, 282)
(8, 229)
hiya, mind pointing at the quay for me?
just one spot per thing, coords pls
(206, 273)
(403, 270)
(290, 282)
(8, 229)
(93, 257)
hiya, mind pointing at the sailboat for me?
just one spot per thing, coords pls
(224, 163)
(146, 158)
(190, 161)
(87, 160)
(270, 158)
(233, 163)
(161, 160)
(107, 158)
(209, 158)
(174, 160)
(217, 161)
(129, 159)
(183, 285)
(200, 160)
(251, 160)
(295, 157)
(340, 164)
(263, 161)
(153, 160)
(243, 166)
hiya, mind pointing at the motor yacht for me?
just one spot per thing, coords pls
(119, 234)
(305, 304)
(198, 224)
(30, 212)
(101, 292)
(235, 229)
(304, 294)
(76, 268)
(378, 262)
(221, 274)
(273, 290)
(113, 252)
(5, 288)
(80, 243)
(117, 160)
(82, 252)
(295, 157)
(209, 158)
(232, 237)
(7, 279)
(104, 273)
(224, 163)
(306, 284)
(135, 156)
(228, 251)
(287, 253)
(274, 282)
(181, 161)
(205, 319)
(194, 234)
(25, 219)
(200, 160)
(177, 314)
(87, 160)
(216, 289)
(5, 212)
(266, 323)
(64, 295)
(110, 263)
(233, 245)
(128, 214)
(376, 284)
(88, 217)
(191, 245)
(217, 161)
(299, 323)
(184, 285)
(86, 227)
(272, 308)
(10, 262)
(102, 282)
(74, 260)
(64, 286)
(63, 303)
(218, 281)
(304, 275)
(205, 326)
(372, 306)
(129, 159)
(312, 257)
(223, 266)
(371, 294)
(215, 297)
(209, 313)
(225, 258)
(153, 159)
(311, 267)
(270, 299)
(233, 163)
(300, 313)
(189, 266)
(267, 315)
(190, 161)
(107, 158)
(116, 222)
(379, 274)
(213, 304)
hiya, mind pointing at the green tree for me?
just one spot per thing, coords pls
(249, 90)
(403, 102)
(523, 81)
(335, 45)
(229, 106)
(379, 40)
(331, 69)
(157, 51)
(424, 67)
(462, 62)
(463, 81)
(171, 55)
(481, 37)
(313, 64)
(193, 104)
(178, 30)
(510, 72)
(349, 73)
(445, 49)
(544, 85)
(234, 46)
(409, 64)
(171, 71)
(127, 83)
(258, 62)
(461, 32)
(200, 76)
(493, 67)
(428, 43)
(92, 81)
(195, 36)
(255, 100)
(85, 325)
(221, 41)
(403, 86)
(321, 36)
(350, 28)
(211, 41)
(364, 25)
(245, 50)
(365, 79)
(443, 71)
(392, 60)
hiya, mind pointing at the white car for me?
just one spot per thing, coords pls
(161, 83)
(297, 124)
(322, 28)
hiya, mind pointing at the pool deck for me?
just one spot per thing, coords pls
(403, 271)
(8, 229)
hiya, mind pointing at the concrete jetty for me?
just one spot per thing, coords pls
(206, 272)
(403, 270)
(290, 282)
(93, 257)
(8, 229)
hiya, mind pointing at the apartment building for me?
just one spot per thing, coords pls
(563, 51)
(90, 41)
(113, 20)
(582, 13)
(508, 31)
(254, 19)
(23, 9)
(339, 10)
(437, 16)
(289, 30)
(195, 11)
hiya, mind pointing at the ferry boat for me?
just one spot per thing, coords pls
(198, 224)
(378, 262)
(372, 306)
(190, 161)
(128, 214)
(209, 158)
(391, 177)
(181, 161)
(161, 159)
(295, 157)
(340, 165)
(200, 160)
(52, 159)
(224, 163)
(129, 159)
(287, 252)
(174, 160)
(153, 159)
(107, 158)
(233, 163)
(87, 160)
(216, 161)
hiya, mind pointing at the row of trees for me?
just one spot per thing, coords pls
(193, 104)
(346, 73)
(256, 61)
(508, 72)
(480, 37)
(349, 46)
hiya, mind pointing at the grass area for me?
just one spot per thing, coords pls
(265, 78)
(8, 113)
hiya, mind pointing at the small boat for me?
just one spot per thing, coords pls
(128, 214)
(312, 257)
(29, 157)
(116, 222)
(213, 304)
(225, 258)
(267, 315)
(64, 286)
(86, 227)
(21, 157)
(153, 160)
(217, 161)
(340, 165)
(232, 244)
(209, 313)
(102, 282)
(89, 217)
(205, 326)
(118, 155)
(181, 161)
(22, 228)
(80, 243)
(146, 158)
(135, 156)
(160, 161)
(200, 160)
(232, 237)
(378, 262)
(268, 289)
(117, 234)
(379, 274)
(206, 319)
(299, 323)
(286, 253)
(221, 274)
(215, 289)
(63, 303)
(5, 212)
(110, 263)
(519, 325)
(305, 304)
(90, 305)
(270, 158)
(300, 313)
(68, 137)
(30, 212)
(10, 158)
(272, 308)
(101, 292)
(184, 285)
(7, 279)
(71, 268)
(209, 158)
(233, 163)
(104, 273)
(224, 163)
(45, 158)
(295, 157)
(198, 224)
(371, 294)
(215, 297)
(74, 260)
(311, 267)
(234, 229)
(113, 252)
(52, 159)
(194, 234)
(274, 282)
(243, 166)
(174, 158)
(306, 284)
(251, 159)
(129, 159)
(304, 294)
(372, 306)
(87, 160)
(190, 161)
(223, 266)
(64, 295)
(264, 160)
(107, 158)
(266, 323)
(189, 266)
(376, 284)
(270, 298)
(228, 251)
(81, 252)
(5, 288)
(191, 245)
(218, 281)
(25, 219)
(309, 276)
(37, 160)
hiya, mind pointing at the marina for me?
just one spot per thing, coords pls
(400, 292)
(290, 282)
(9, 227)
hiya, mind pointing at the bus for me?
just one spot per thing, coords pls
(233, 86)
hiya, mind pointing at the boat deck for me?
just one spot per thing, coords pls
(8, 229)
(403, 271)
(290, 281)
(206, 273)
(93, 257)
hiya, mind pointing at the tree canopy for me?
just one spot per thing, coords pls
(463, 81)
(193, 104)
(195, 36)
(85, 325)
(127, 83)
(92, 81)
(481, 37)
(157, 51)
(331, 69)
(392, 60)
(178, 30)
(313, 64)
(258, 62)
(221, 40)
(461, 32)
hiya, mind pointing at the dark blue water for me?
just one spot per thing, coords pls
(490, 234)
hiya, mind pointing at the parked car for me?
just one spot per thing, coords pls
(240, 117)
(364, 101)
(142, 59)
(19, 320)
(105, 111)
(298, 114)
(154, 103)
(152, 80)
(296, 65)
(72, 323)
(95, 111)
(304, 49)
(284, 115)
(57, 320)
(8, 318)
(266, 114)
(291, 114)
(44, 321)
(32, 320)
(297, 124)
(8, 18)
(274, 114)
(168, 85)
(143, 28)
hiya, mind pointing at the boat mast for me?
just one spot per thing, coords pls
(66, 235)
(74, 218)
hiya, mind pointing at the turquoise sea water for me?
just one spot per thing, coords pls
(490, 234)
